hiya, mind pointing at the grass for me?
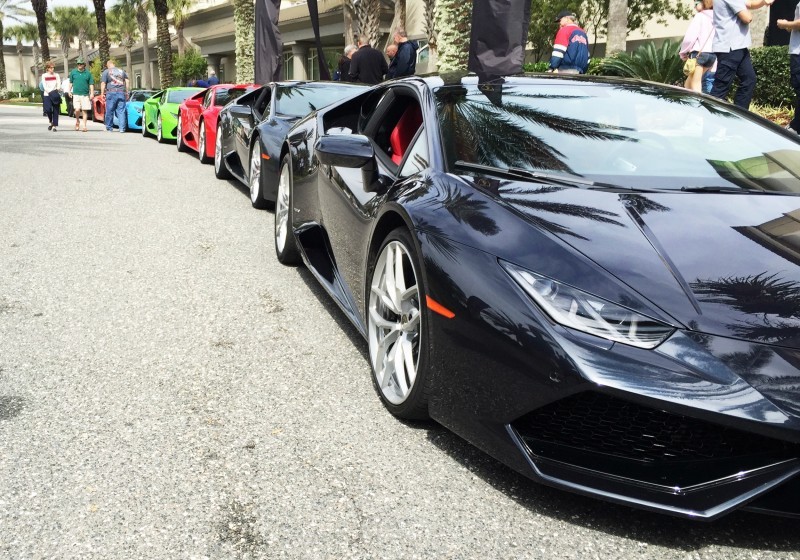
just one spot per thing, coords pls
(779, 115)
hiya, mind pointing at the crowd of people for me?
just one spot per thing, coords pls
(367, 65)
(78, 87)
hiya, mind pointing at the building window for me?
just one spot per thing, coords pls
(138, 80)
(312, 68)
(288, 66)
(221, 73)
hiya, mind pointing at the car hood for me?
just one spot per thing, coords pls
(722, 264)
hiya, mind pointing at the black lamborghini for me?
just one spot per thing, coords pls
(251, 130)
(596, 281)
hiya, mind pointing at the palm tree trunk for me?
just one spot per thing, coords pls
(128, 59)
(102, 31)
(164, 43)
(143, 23)
(617, 32)
(37, 61)
(21, 63)
(2, 61)
(40, 8)
(65, 54)
(347, 13)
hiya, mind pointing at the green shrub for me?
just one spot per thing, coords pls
(772, 68)
(536, 66)
(190, 65)
(647, 62)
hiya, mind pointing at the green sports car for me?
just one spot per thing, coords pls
(160, 112)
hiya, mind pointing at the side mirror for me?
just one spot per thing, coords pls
(350, 150)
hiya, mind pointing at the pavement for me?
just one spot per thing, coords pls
(169, 390)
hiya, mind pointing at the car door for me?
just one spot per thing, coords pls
(396, 131)
(204, 100)
(244, 119)
(151, 108)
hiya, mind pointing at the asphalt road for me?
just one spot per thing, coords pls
(169, 390)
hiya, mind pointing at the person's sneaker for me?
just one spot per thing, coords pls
(50, 127)
(55, 129)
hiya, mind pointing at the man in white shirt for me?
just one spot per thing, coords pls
(732, 46)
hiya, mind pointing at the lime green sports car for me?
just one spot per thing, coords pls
(160, 112)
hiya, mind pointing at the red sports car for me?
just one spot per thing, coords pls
(197, 118)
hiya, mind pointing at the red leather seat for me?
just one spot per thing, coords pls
(404, 132)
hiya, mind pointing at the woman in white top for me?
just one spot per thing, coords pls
(697, 45)
(50, 85)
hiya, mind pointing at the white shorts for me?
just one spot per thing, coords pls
(81, 102)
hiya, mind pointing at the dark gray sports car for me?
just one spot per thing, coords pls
(251, 130)
(596, 281)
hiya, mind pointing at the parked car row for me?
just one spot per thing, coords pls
(594, 280)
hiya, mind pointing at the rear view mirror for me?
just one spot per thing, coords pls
(349, 150)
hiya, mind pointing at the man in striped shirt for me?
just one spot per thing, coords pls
(571, 47)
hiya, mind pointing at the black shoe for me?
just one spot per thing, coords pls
(54, 129)
(50, 127)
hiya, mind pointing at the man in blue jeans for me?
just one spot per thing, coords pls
(732, 46)
(114, 83)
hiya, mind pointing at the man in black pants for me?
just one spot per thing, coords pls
(367, 65)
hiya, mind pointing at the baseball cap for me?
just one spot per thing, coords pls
(565, 13)
(80, 61)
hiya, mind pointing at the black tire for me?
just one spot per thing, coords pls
(285, 242)
(181, 145)
(145, 134)
(257, 189)
(220, 169)
(202, 147)
(408, 398)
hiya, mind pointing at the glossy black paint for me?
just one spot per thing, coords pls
(255, 117)
(722, 270)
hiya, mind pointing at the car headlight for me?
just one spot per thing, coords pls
(587, 313)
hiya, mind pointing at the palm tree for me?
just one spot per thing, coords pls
(180, 14)
(123, 28)
(368, 13)
(164, 42)
(348, 12)
(65, 27)
(431, 29)
(143, 22)
(453, 24)
(40, 9)
(244, 25)
(21, 32)
(86, 27)
(12, 10)
(102, 31)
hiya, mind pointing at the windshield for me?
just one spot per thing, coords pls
(302, 99)
(141, 95)
(179, 95)
(631, 135)
(226, 95)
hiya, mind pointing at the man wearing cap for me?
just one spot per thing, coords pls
(571, 46)
(82, 93)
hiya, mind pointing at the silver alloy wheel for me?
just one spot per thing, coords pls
(394, 323)
(201, 142)
(218, 153)
(144, 124)
(282, 210)
(255, 172)
(179, 134)
(159, 137)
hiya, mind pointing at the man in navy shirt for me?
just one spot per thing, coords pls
(405, 61)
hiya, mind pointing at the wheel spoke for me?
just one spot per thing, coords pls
(386, 299)
(407, 349)
(380, 322)
(398, 360)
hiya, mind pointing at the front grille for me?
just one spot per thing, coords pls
(593, 423)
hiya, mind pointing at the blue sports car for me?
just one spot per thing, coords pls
(134, 107)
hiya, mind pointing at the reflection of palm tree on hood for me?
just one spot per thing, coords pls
(493, 134)
(776, 301)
